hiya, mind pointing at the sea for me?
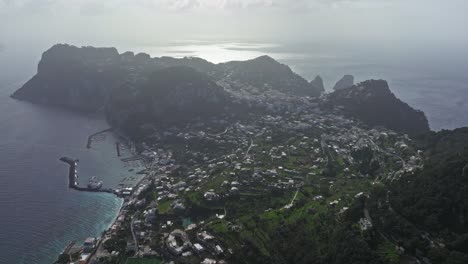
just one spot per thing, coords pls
(39, 215)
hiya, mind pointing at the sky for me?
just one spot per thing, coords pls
(420, 46)
(411, 23)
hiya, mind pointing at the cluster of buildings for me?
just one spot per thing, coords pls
(205, 164)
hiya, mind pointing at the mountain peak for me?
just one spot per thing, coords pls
(266, 61)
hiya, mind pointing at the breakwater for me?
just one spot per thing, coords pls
(117, 147)
(90, 138)
(73, 176)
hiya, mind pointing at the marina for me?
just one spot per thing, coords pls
(73, 176)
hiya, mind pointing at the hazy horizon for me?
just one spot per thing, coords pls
(418, 46)
(394, 25)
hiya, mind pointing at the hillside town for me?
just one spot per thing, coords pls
(204, 178)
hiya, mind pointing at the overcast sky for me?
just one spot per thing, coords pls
(368, 22)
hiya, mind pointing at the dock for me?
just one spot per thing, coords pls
(73, 176)
(134, 158)
(117, 147)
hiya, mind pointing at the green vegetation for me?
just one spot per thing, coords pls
(427, 208)
(164, 207)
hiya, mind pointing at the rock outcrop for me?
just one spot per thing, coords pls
(373, 103)
(318, 83)
(345, 82)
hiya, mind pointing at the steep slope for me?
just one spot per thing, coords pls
(436, 197)
(373, 103)
(266, 73)
(170, 95)
(426, 210)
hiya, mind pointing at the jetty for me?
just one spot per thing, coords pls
(133, 158)
(117, 147)
(90, 138)
(73, 177)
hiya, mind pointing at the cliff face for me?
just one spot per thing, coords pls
(74, 77)
(374, 104)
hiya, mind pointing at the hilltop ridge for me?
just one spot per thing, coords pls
(101, 79)
(373, 102)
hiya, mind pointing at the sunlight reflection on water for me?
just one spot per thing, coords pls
(214, 52)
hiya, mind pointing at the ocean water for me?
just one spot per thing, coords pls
(39, 215)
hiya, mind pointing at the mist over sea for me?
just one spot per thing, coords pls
(39, 215)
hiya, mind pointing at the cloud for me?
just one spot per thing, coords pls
(91, 7)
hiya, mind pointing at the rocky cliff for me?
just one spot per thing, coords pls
(74, 77)
(373, 103)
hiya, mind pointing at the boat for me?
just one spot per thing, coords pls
(94, 183)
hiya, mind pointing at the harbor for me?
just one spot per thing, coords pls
(73, 177)
(126, 182)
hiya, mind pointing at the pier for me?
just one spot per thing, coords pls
(73, 176)
(117, 147)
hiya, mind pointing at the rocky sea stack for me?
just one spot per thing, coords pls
(345, 82)
(318, 83)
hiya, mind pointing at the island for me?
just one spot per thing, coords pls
(248, 162)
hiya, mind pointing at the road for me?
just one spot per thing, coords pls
(292, 200)
(134, 235)
(219, 134)
(248, 150)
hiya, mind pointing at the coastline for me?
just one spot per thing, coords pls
(119, 194)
